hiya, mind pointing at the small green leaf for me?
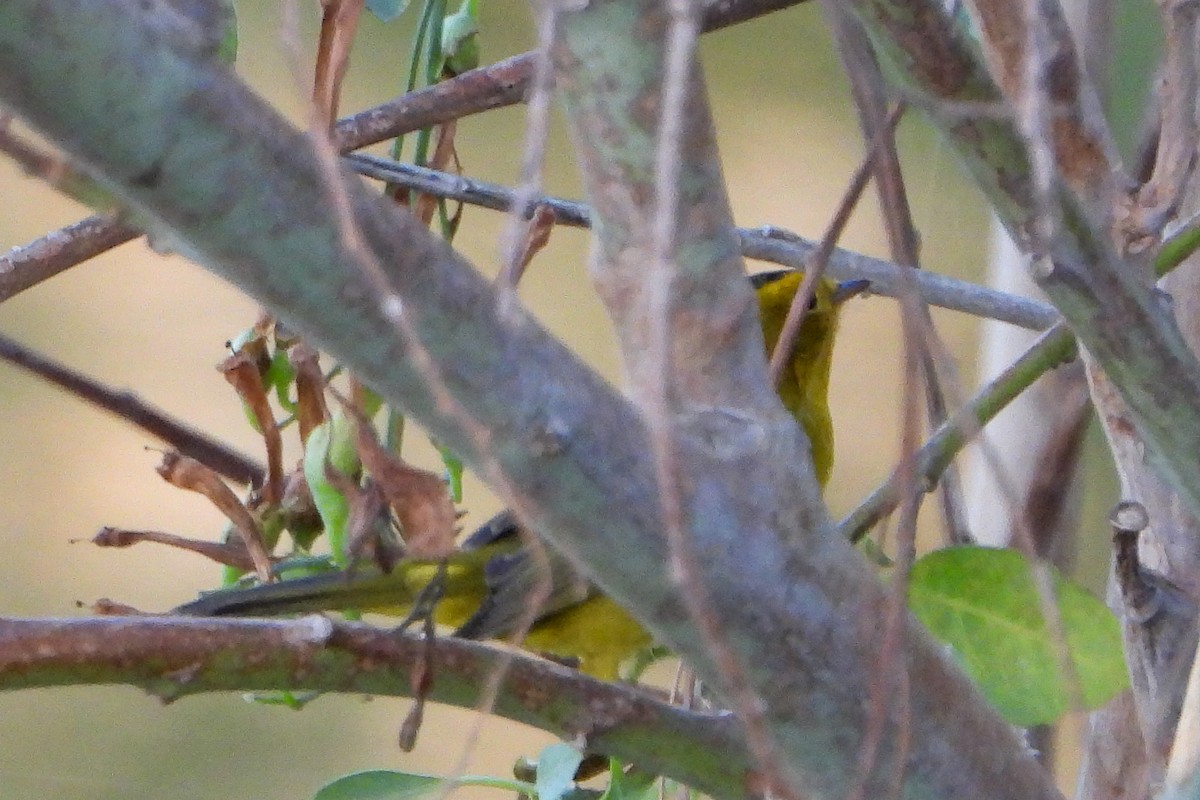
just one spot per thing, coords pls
(556, 771)
(460, 38)
(343, 452)
(381, 784)
(332, 506)
(296, 701)
(280, 376)
(454, 472)
(983, 604)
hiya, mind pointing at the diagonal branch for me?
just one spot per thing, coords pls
(1082, 144)
(567, 448)
(504, 83)
(1108, 303)
(60, 250)
(129, 407)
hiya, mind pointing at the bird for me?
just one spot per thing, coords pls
(485, 589)
(803, 387)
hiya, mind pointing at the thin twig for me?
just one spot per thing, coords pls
(60, 250)
(495, 86)
(890, 687)
(1054, 347)
(868, 87)
(517, 248)
(869, 90)
(43, 258)
(185, 439)
(1051, 349)
(498, 85)
(1050, 487)
(768, 243)
(815, 269)
(889, 694)
(404, 325)
(537, 130)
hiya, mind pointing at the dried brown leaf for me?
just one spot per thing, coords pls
(537, 233)
(110, 608)
(421, 680)
(188, 473)
(311, 410)
(298, 510)
(407, 737)
(232, 553)
(537, 236)
(369, 535)
(256, 343)
(420, 499)
(245, 376)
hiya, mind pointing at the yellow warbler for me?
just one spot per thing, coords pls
(488, 584)
(804, 385)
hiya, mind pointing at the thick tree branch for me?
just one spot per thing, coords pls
(1108, 303)
(1083, 147)
(223, 178)
(173, 658)
(611, 62)
(1145, 379)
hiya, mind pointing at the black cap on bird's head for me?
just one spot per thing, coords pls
(761, 279)
(841, 292)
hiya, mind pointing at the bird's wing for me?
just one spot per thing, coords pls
(524, 585)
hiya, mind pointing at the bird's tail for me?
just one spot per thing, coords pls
(365, 589)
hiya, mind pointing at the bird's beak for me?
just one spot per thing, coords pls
(847, 289)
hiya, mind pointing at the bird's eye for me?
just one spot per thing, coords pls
(812, 303)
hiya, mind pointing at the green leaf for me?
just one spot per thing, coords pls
(381, 784)
(454, 472)
(279, 377)
(982, 602)
(332, 441)
(296, 701)
(556, 771)
(460, 38)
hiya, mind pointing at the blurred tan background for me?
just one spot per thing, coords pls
(157, 325)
